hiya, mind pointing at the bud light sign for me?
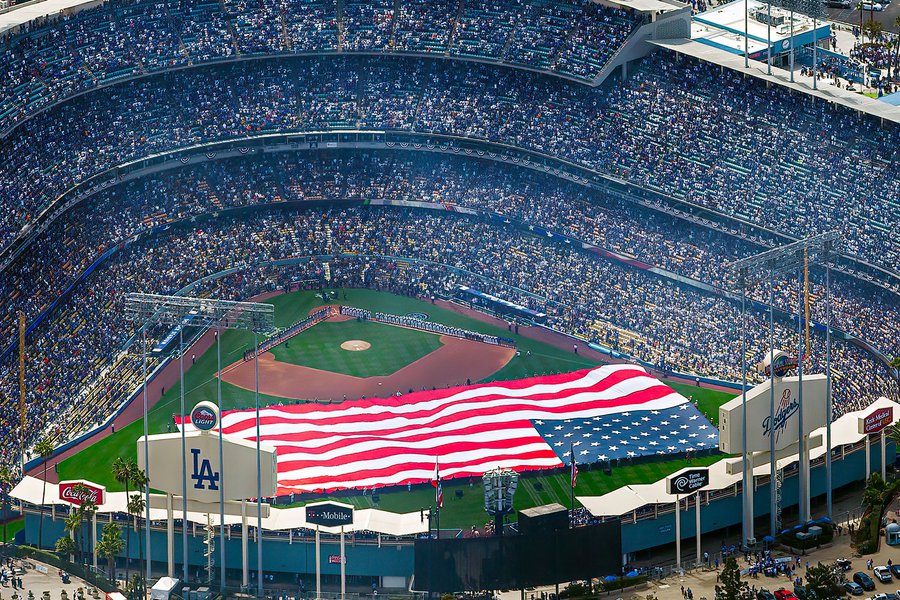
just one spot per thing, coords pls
(876, 421)
(81, 492)
(688, 482)
(204, 416)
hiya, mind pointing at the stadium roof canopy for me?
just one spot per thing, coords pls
(624, 500)
(655, 6)
(31, 490)
(781, 77)
(23, 13)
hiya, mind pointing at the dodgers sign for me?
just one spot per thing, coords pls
(688, 482)
(784, 425)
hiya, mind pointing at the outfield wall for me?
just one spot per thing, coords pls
(366, 558)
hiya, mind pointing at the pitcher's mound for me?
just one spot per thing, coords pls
(356, 345)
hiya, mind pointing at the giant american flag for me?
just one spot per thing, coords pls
(603, 413)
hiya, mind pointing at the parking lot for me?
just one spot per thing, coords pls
(886, 17)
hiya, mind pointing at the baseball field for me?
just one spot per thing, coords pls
(345, 357)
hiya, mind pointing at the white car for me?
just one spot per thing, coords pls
(869, 6)
(882, 574)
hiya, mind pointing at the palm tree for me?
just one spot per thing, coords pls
(121, 470)
(73, 528)
(44, 449)
(895, 362)
(6, 479)
(109, 546)
(139, 479)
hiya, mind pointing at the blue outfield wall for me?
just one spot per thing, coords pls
(365, 559)
(392, 559)
(646, 533)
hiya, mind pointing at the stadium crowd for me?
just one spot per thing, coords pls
(672, 326)
(51, 59)
(660, 129)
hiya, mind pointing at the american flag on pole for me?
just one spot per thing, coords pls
(521, 425)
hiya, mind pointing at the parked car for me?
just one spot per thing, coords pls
(864, 580)
(783, 594)
(883, 574)
(804, 593)
(895, 569)
(853, 588)
(877, 7)
(838, 3)
(844, 564)
(765, 595)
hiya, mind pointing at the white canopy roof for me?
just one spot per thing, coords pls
(31, 490)
(844, 430)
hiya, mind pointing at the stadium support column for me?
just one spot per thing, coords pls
(677, 531)
(245, 567)
(803, 453)
(184, 519)
(170, 535)
(94, 535)
(868, 456)
(697, 501)
(792, 43)
(318, 565)
(747, 496)
(828, 499)
(343, 567)
(883, 454)
(146, 458)
(773, 517)
(221, 460)
(259, 537)
(815, 43)
(746, 36)
(769, 38)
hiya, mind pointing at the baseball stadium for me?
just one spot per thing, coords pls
(343, 298)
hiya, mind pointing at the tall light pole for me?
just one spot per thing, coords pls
(788, 258)
(155, 309)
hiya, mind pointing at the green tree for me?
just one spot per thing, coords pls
(139, 479)
(6, 481)
(731, 588)
(72, 525)
(65, 546)
(44, 449)
(873, 29)
(110, 545)
(121, 470)
(874, 495)
(823, 580)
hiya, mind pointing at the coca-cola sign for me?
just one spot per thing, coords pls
(80, 492)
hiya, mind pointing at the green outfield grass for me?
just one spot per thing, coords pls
(707, 401)
(392, 348)
(535, 358)
(12, 528)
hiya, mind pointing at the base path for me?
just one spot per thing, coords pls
(450, 365)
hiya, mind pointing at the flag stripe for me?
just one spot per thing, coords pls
(435, 435)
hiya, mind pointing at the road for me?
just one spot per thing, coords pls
(886, 17)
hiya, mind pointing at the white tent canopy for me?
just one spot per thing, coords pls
(844, 431)
(31, 490)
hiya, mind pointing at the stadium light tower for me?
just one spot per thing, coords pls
(794, 256)
(206, 313)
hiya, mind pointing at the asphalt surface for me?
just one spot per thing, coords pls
(886, 17)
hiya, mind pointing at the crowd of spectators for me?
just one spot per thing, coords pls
(673, 326)
(54, 58)
(662, 129)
